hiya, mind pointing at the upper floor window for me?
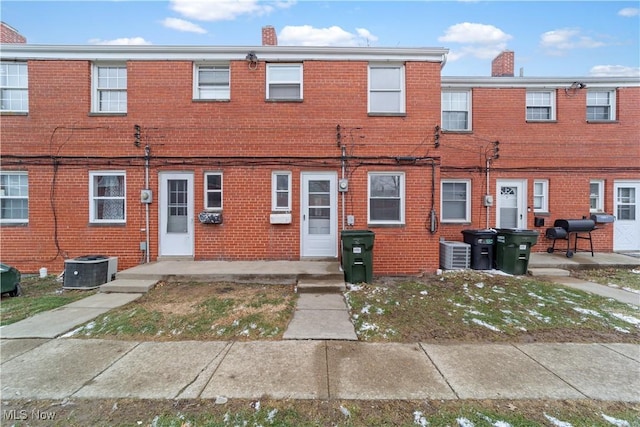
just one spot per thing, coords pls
(14, 87)
(284, 82)
(541, 105)
(213, 191)
(212, 82)
(107, 193)
(386, 89)
(596, 195)
(456, 200)
(386, 198)
(110, 88)
(541, 195)
(456, 110)
(601, 105)
(281, 191)
(14, 197)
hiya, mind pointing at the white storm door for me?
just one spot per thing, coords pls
(319, 222)
(511, 211)
(626, 208)
(175, 203)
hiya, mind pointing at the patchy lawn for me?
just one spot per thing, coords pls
(175, 311)
(37, 295)
(478, 306)
(350, 413)
(627, 279)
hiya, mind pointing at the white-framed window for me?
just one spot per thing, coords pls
(596, 195)
(386, 89)
(109, 88)
(386, 198)
(601, 105)
(107, 197)
(284, 82)
(211, 81)
(456, 110)
(541, 195)
(14, 87)
(213, 191)
(455, 200)
(14, 197)
(281, 191)
(541, 105)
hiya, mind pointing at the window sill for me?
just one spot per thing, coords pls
(541, 213)
(205, 100)
(107, 224)
(456, 131)
(14, 224)
(14, 113)
(595, 122)
(453, 222)
(541, 121)
(378, 225)
(283, 100)
(100, 114)
(373, 114)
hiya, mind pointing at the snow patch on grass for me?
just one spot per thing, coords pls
(485, 324)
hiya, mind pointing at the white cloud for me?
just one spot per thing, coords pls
(182, 25)
(306, 35)
(629, 12)
(614, 71)
(121, 41)
(477, 40)
(558, 42)
(225, 10)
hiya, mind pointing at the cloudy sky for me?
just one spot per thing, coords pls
(549, 38)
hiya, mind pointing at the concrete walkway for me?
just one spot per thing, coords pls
(318, 359)
(316, 370)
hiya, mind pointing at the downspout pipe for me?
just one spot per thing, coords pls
(147, 157)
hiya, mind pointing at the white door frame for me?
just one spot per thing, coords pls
(626, 233)
(318, 245)
(175, 243)
(521, 200)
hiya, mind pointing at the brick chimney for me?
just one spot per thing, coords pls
(9, 34)
(269, 37)
(503, 64)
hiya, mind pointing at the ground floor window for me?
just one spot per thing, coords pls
(386, 198)
(456, 200)
(107, 197)
(596, 195)
(213, 191)
(14, 197)
(541, 195)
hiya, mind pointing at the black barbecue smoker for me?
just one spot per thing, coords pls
(563, 229)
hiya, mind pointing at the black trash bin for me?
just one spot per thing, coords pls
(482, 248)
(357, 255)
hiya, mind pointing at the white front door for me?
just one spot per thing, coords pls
(511, 209)
(175, 202)
(626, 208)
(319, 222)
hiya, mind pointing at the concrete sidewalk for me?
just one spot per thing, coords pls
(316, 370)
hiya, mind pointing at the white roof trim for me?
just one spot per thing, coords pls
(537, 82)
(213, 53)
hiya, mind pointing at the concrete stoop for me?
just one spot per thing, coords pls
(549, 272)
(128, 286)
(321, 286)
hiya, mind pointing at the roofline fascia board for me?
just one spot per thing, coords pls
(537, 82)
(217, 53)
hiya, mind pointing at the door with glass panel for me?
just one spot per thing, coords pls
(175, 202)
(318, 216)
(626, 208)
(511, 210)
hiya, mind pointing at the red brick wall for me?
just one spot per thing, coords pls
(173, 125)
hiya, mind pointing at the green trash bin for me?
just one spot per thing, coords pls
(513, 248)
(357, 255)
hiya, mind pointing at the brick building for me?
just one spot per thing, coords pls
(268, 152)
